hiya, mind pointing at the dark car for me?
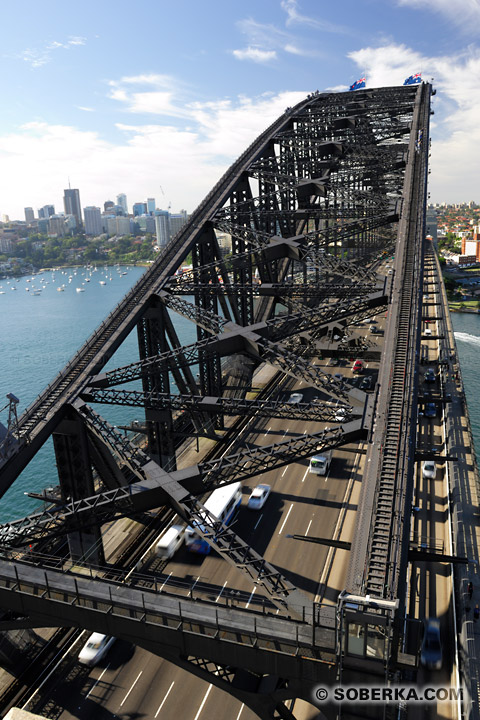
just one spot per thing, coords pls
(429, 376)
(431, 652)
(430, 410)
(366, 383)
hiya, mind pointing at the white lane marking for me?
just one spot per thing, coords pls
(221, 591)
(286, 518)
(128, 693)
(203, 702)
(167, 579)
(308, 528)
(258, 521)
(305, 475)
(45, 680)
(285, 471)
(250, 598)
(191, 589)
(240, 711)
(97, 681)
(163, 701)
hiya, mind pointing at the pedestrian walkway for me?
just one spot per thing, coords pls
(464, 488)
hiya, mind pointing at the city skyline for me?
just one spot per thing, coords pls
(166, 119)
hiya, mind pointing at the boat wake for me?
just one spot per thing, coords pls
(466, 337)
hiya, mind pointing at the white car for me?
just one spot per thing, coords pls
(258, 497)
(429, 469)
(341, 414)
(95, 649)
(427, 331)
(295, 398)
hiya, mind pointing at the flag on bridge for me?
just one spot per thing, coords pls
(413, 79)
(358, 84)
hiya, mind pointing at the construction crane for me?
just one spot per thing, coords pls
(169, 203)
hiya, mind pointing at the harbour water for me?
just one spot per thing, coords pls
(41, 328)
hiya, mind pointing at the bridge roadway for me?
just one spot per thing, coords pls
(301, 504)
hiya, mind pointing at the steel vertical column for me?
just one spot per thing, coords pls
(152, 340)
(74, 467)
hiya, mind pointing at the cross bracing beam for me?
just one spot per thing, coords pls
(299, 291)
(245, 340)
(317, 412)
(323, 237)
(281, 327)
(156, 487)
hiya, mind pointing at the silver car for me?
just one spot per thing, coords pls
(95, 649)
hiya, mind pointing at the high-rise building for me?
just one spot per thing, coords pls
(162, 227)
(46, 211)
(139, 208)
(150, 206)
(177, 221)
(122, 200)
(56, 225)
(71, 201)
(29, 215)
(146, 223)
(93, 220)
(107, 205)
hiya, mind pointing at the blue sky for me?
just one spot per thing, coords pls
(156, 98)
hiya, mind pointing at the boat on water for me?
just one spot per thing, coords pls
(60, 289)
(103, 282)
(80, 289)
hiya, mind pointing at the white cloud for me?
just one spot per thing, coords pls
(36, 57)
(464, 13)
(158, 99)
(187, 162)
(294, 17)
(255, 54)
(85, 109)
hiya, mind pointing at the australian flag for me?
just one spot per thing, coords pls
(358, 84)
(413, 79)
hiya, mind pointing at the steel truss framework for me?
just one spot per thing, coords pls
(310, 209)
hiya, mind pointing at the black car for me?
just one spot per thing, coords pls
(429, 376)
(430, 410)
(366, 383)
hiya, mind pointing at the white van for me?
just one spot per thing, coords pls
(320, 464)
(169, 542)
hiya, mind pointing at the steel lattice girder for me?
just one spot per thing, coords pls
(318, 412)
(155, 487)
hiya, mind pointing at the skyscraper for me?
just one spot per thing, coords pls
(150, 205)
(29, 215)
(71, 202)
(122, 200)
(46, 211)
(139, 208)
(93, 220)
(162, 227)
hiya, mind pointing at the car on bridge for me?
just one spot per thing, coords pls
(357, 366)
(429, 376)
(295, 398)
(258, 497)
(95, 649)
(429, 469)
(430, 410)
(431, 652)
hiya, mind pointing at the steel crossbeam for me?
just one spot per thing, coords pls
(317, 412)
